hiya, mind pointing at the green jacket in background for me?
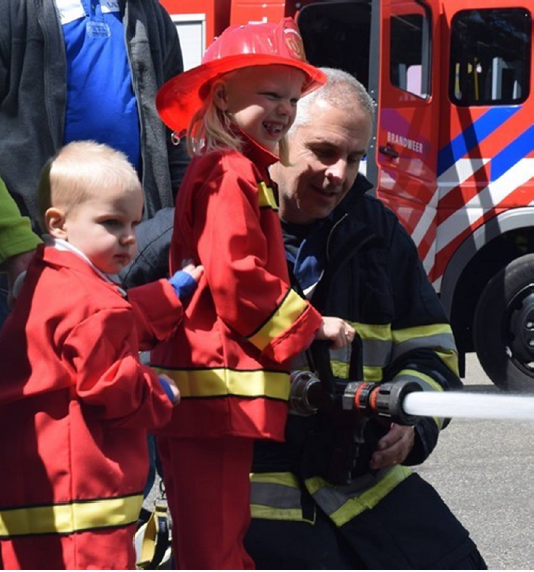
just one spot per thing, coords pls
(16, 234)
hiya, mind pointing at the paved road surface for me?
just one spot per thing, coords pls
(484, 470)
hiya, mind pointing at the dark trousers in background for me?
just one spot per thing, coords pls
(4, 309)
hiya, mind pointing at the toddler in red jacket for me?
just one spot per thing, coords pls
(75, 401)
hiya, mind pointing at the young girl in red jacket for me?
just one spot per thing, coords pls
(231, 357)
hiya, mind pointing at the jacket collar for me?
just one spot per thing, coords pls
(358, 190)
(255, 152)
(71, 259)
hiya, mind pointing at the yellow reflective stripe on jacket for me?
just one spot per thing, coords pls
(381, 345)
(275, 496)
(285, 315)
(450, 359)
(373, 331)
(376, 356)
(426, 382)
(70, 517)
(221, 382)
(342, 504)
(341, 370)
(266, 197)
(375, 374)
(437, 337)
(377, 346)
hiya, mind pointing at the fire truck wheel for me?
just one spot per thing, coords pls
(503, 327)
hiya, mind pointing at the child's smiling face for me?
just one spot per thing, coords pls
(262, 101)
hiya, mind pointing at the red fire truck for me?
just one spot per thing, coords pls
(453, 154)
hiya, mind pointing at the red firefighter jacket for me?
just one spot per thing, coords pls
(75, 402)
(231, 356)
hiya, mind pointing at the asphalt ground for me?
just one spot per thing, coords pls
(484, 470)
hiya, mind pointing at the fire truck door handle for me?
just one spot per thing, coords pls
(389, 151)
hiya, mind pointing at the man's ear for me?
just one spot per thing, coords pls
(220, 96)
(55, 223)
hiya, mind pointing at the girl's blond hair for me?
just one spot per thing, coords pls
(211, 128)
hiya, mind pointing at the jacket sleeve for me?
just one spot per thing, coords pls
(172, 66)
(16, 235)
(424, 349)
(103, 354)
(239, 261)
(157, 311)
(5, 43)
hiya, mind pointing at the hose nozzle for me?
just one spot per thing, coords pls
(308, 395)
(381, 399)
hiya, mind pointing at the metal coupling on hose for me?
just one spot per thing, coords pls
(381, 399)
(305, 387)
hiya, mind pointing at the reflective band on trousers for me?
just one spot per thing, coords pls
(70, 517)
(277, 496)
(343, 503)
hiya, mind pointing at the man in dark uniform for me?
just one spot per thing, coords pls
(339, 494)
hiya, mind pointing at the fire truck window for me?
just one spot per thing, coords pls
(490, 57)
(338, 35)
(410, 54)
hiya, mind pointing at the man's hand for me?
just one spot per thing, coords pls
(393, 448)
(336, 330)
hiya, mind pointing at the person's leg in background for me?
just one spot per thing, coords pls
(151, 478)
(4, 308)
(144, 357)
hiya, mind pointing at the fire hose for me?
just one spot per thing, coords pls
(402, 401)
(358, 412)
(319, 389)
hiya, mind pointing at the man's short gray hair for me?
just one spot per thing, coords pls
(342, 90)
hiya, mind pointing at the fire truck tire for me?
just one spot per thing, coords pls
(503, 327)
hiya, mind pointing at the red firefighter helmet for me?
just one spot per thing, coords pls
(237, 47)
